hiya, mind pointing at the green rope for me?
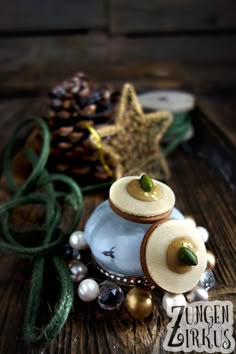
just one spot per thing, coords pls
(93, 187)
(41, 160)
(39, 188)
(177, 131)
(62, 310)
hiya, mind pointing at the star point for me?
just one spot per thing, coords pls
(131, 144)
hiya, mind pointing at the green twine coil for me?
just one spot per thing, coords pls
(39, 188)
(177, 132)
(179, 104)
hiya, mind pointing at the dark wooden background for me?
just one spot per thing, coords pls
(43, 42)
(183, 44)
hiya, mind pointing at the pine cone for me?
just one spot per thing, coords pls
(74, 106)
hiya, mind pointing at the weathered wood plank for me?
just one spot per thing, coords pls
(221, 111)
(34, 63)
(215, 147)
(212, 78)
(33, 15)
(137, 16)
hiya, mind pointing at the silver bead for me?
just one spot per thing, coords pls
(78, 270)
(203, 233)
(169, 300)
(197, 294)
(207, 280)
(77, 240)
(88, 290)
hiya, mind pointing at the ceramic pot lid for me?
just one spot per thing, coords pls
(159, 259)
(130, 208)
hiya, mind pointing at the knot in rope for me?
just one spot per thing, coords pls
(40, 188)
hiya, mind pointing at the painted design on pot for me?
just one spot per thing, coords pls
(109, 253)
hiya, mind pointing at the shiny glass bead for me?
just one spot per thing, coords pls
(76, 254)
(110, 296)
(207, 280)
(69, 252)
(197, 294)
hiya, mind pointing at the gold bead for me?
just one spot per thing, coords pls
(139, 303)
(211, 260)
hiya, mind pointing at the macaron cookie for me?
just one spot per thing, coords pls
(128, 200)
(162, 260)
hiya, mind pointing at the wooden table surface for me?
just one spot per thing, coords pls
(203, 177)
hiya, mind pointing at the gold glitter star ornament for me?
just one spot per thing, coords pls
(131, 145)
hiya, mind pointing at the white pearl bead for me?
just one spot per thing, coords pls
(77, 240)
(88, 290)
(169, 300)
(78, 270)
(203, 233)
(197, 294)
(190, 221)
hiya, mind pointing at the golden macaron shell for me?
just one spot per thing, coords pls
(137, 210)
(154, 260)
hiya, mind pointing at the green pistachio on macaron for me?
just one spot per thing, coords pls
(187, 256)
(146, 183)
